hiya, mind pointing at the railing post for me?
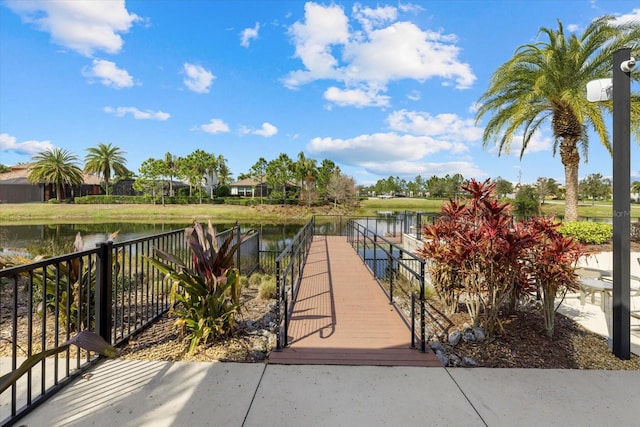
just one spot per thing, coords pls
(278, 307)
(103, 290)
(375, 256)
(390, 272)
(413, 320)
(423, 332)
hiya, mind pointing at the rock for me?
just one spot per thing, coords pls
(469, 362)
(454, 338)
(259, 345)
(436, 346)
(454, 360)
(479, 333)
(468, 336)
(444, 359)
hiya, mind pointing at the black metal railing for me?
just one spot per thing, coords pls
(289, 267)
(112, 289)
(400, 273)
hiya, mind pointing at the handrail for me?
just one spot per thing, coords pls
(111, 289)
(289, 266)
(395, 265)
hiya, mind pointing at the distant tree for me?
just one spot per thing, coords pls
(150, 176)
(503, 187)
(259, 172)
(635, 187)
(172, 168)
(58, 167)
(196, 166)
(436, 187)
(342, 188)
(306, 171)
(4, 168)
(453, 185)
(325, 172)
(280, 173)
(526, 201)
(104, 159)
(595, 186)
(225, 176)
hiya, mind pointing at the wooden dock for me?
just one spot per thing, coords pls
(343, 317)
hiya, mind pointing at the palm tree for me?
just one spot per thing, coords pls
(103, 159)
(546, 81)
(57, 167)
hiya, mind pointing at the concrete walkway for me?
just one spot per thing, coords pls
(135, 393)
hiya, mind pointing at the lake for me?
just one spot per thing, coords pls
(19, 238)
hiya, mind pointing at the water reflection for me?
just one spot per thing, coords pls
(17, 238)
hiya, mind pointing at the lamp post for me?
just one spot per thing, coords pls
(621, 202)
(618, 89)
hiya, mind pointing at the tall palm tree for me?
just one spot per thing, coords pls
(546, 81)
(103, 159)
(57, 167)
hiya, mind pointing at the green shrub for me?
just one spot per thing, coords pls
(587, 232)
(255, 279)
(267, 288)
(205, 297)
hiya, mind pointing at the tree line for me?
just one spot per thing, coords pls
(206, 174)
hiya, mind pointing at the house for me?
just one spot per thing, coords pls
(249, 188)
(14, 187)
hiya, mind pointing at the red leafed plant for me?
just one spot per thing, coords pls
(477, 251)
(553, 264)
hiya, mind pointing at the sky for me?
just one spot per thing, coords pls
(380, 88)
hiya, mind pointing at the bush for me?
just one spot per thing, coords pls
(590, 233)
(223, 191)
(205, 297)
(267, 288)
(111, 199)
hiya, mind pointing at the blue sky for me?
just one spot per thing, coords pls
(381, 88)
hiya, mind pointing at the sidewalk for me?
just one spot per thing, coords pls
(135, 393)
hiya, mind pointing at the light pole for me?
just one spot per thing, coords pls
(619, 90)
(622, 65)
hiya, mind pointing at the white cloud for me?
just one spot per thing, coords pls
(627, 18)
(267, 130)
(9, 143)
(467, 169)
(248, 34)
(137, 114)
(108, 74)
(448, 127)
(214, 126)
(197, 78)
(539, 142)
(474, 107)
(355, 97)
(367, 59)
(414, 95)
(372, 18)
(378, 148)
(82, 26)
(573, 27)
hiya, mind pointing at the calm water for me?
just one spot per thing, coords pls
(20, 237)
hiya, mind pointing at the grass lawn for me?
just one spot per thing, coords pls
(44, 213)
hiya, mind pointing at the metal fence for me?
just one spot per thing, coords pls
(111, 289)
(289, 266)
(400, 273)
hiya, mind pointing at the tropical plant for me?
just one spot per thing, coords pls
(552, 266)
(87, 340)
(546, 81)
(104, 159)
(205, 292)
(58, 167)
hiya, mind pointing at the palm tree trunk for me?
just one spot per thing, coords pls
(570, 159)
